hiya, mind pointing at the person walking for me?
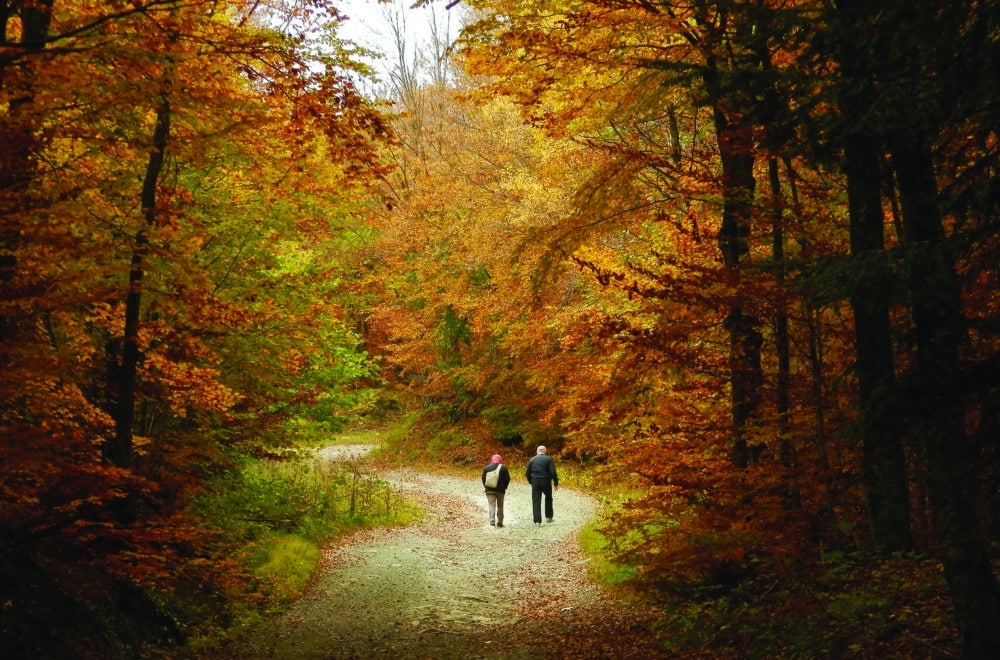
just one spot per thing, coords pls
(495, 493)
(541, 474)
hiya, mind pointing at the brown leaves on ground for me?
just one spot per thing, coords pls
(570, 617)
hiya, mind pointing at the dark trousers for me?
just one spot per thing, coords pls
(539, 488)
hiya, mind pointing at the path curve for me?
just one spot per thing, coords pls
(455, 587)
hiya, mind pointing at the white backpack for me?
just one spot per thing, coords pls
(493, 477)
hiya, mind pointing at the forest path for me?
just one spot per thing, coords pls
(452, 586)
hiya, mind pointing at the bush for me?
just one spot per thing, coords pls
(275, 513)
(286, 561)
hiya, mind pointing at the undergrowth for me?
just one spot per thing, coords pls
(852, 606)
(834, 606)
(277, 512)
(606, 563)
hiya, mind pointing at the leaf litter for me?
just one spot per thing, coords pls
(452, 586)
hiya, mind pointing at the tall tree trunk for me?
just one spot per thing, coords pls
(884, 461)
(120, 448)
(938, 403)
(19, 140)
(735, 138)
(782, 343)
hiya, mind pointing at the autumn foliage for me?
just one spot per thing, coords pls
(737, 261)
(737, 256)
(173, 177)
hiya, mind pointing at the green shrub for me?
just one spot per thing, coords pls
(395, 437)
(444, 441)
(276, 513)
(601, 565)
(286, 562)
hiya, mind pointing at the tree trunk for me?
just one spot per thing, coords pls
(120, 448)
(884, 461)
(745, 340)
(782, 342)
(18, 135)
(937, 404)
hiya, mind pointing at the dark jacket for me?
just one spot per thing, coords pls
(541, 469)
(504, 477)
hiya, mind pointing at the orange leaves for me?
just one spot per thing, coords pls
(185, 386)
(243, 234)
(630, 357)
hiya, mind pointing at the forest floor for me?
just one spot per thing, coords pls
(452, 586)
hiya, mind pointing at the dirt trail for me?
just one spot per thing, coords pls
(455, 587)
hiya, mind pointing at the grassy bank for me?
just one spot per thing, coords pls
(277, 512)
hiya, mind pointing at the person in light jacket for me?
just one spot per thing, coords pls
(541, 474)
(494, 495)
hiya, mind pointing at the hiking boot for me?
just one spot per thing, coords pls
(493, 523)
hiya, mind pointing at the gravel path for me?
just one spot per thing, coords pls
(455, 587)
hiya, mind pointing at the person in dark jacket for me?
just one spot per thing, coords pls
(494, 495)
(541, 474)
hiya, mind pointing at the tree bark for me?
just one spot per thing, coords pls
(120, 448)
(18, 134)
(938, 407)
(782, 342)
(884, 461)
(884, 468)
(735, 139)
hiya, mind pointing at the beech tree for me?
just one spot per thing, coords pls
(763, 71)
(176, 165)
(459, 264)
(894, 152)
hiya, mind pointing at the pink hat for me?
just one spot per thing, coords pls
(496, 458)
